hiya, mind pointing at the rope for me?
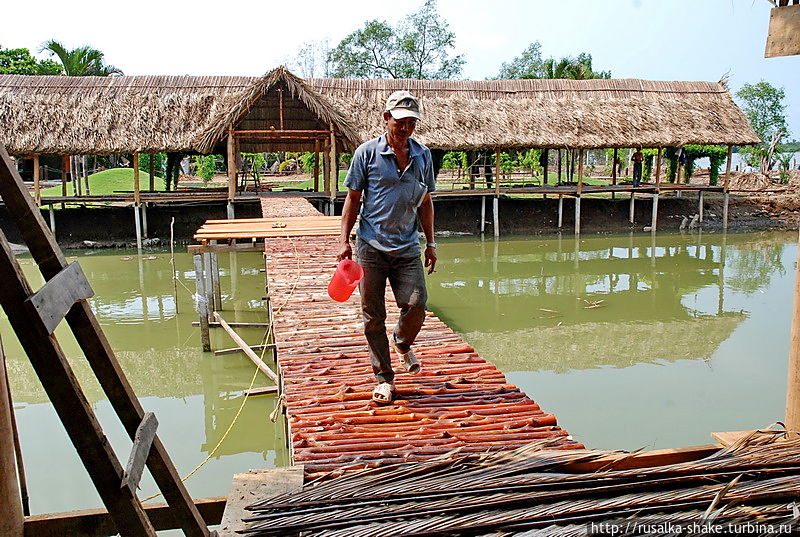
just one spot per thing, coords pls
(279, 404)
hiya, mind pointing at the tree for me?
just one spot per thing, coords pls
(530, 64)
(82, 61)
(763, 105)
(419, 47)
(18, 61)
(313, 60)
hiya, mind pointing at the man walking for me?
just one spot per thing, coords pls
(390, 179)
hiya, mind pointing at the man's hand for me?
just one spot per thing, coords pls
(430, 258)
(345, 251)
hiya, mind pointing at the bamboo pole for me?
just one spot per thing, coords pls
(631, 207)
(316, 165)
(560, 209)
(496, 205)
(137, 194)
(483, 214)
(152, 171)
(11, 516)
(326, 170)
(202, 304)
(792, 419)
(264, 368)
(37, 177)
(726, 186)
(334, 168)
(231, 148)
(614, 171)
(654, 216)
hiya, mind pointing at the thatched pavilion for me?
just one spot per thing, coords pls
(148, 114)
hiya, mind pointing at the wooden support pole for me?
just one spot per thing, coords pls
(546, 165)
(152, 172)
(725, 187)
(231, 150)
(497, 172)
(658, 167)
(215, 280)
(144, 220)
(202, 305)
(559, 167)
(483, 214)
(316, 165)
(326, 170)
(792, 419)
(53, 219)
(631, 207)
(700, 205)
(208, 278)
(264, 368)
(560, 209)
(64, 171)
(137, 194)
(138, 224)
(496, 215)
(654, 216)
(580, 172)
(11, 516)
(334, 168)
(614, 171)
(37, 178)
(578, 214)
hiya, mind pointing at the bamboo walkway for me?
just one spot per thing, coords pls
(459, 401)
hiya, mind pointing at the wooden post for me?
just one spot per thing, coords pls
(316, 165)
(64, 171)
(11, 517)
(53, 219)
(614, 171)
(208, 279)
(725, 187)
(559, 166)
(144, 219)
(546, 164)
(496, 204)
(334, 168)
(202, 304)
(560, 209)
(483, 214)
(231, 148)
(137, 194)
(214, 277)
(578, 214)
(792, 419)
(152, 171)
(138, 224)
(37, 177)
(654, 216)
(700, 205)
(326, 170)
(631, 208)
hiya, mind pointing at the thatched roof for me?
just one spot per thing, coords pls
(550, 113)
(125, 114)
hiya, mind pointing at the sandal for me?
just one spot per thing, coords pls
(408, 359)
(383, 393)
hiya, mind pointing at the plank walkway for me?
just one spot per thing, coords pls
(458, 401)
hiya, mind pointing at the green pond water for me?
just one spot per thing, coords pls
(631, 340)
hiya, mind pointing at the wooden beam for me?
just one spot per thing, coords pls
(57, 296)
(231, 148)
(496, 172)
(10, 504)
(98, 523)
(334, 166)
(280, 106)
(202, 304)
(37, 177)
(658, 166)
(316, 166)
(646, 459)
(142, 442)
(137, 192)
(792, 419)
(152, 171)
(95, 346)
(580, 171)
(64, 171)
(266, 390)
(264, 368)
(236, 350)
(213, 324)
(726, 187)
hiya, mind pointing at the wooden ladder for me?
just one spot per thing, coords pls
(34, 317)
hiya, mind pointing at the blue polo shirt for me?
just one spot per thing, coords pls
(390, 198)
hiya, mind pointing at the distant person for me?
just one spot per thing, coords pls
(637, 159)
(390, 179)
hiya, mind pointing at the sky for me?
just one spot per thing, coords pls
(649, 39)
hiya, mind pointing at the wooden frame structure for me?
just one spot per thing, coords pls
(34, 317)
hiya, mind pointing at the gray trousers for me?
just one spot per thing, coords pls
(407, 279)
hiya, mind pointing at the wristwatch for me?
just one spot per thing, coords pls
(430, 245)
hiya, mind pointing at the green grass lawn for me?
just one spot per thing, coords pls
(110, 182)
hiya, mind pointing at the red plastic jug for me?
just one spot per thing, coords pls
(345, 280)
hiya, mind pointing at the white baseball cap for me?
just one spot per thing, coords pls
(402, 104)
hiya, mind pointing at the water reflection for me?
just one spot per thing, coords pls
(636, 329)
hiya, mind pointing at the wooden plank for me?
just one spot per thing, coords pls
(264, 368)
(235, 325)
(141, 448)
(52, 302)
(646, 459)
(266, 390)
(11, 514)
(236, 350)
(98, 523)
(252, 486)
(95, 346)
(783, 38)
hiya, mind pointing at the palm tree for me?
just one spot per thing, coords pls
(579, 68)
(82, 61)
